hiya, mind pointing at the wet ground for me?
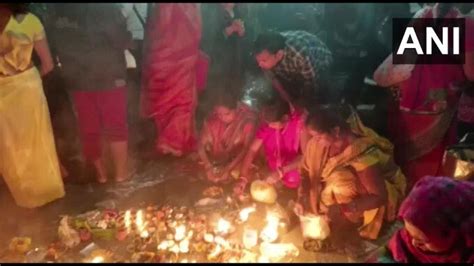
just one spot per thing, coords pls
(153, 181)
(156, 182)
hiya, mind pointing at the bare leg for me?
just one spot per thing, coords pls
(101, 172)
(119, 150)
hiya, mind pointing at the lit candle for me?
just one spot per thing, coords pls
(180, 233)
(208, 238)
(98, 259)
(223, 226)
(163, 245)
(270, 232)
(127, 221)
(184, 246)
(250, 238)
(215, 252)
(244, 214)
(139, 220)
(221, 242)
(175, 249)
(144, 234)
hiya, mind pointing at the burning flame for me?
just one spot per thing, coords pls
(221, 242)
(144, 234)
(223, 226)
(263, 259)
(180, 233)
(128, 221)
(163, 245)
(278, 251)
(208, 238)
(184, 246)
(270, 232)
(250, 238)
(244, 214)
(175, 249)
(98, 259)
(216, 251)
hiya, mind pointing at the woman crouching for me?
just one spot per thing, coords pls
(351, 173)
(225, 138)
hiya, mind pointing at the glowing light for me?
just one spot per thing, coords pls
(175, 249)
(270, 232)
(244, 214)
(180, 233)
(216, 251)
(128, 221)
(184, 246)
(250, 238)
(163, 245)
(208, 238)
(223, 226)
(98, 259)
(144, 234)
(278, 251)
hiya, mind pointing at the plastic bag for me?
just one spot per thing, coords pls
(68, 236)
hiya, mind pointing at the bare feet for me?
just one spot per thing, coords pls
(100, 171)
(121, 179)
(165, 149)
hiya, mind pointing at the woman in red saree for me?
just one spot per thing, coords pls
(169, 94)
(423, 124)
(439, 224)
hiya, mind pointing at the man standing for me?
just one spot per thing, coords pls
(295, 62)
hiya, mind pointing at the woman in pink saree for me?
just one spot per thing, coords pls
(169, 75)
(282, 138)
(423, 125)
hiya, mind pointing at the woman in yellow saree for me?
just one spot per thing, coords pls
(351, 169)
(28, 160)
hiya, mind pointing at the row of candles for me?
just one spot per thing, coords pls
(182, 237)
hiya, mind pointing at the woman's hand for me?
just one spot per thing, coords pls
(210, 175)
(229, 30)
(273, 178)
(239, 27)
(240, 187)
(298, 209)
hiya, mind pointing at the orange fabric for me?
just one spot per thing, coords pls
(170, 74)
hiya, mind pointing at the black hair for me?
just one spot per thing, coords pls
(271, 41)
(324, 119)
(18, 8)
(274, 110)
(444, 9)
(226, 99)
